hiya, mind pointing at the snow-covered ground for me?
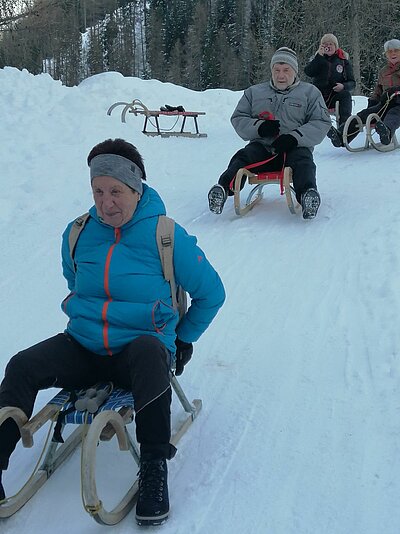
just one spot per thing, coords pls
(299, 374)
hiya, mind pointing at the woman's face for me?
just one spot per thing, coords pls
(115, 202)
(393, 56)
(329, 48)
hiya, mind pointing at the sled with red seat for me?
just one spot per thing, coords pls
(282, 177)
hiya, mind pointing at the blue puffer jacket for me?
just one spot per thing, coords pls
(119, 292)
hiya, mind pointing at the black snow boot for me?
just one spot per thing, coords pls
(216, 199)
(336, 137)
(384, 133)
(310, 201)
(153, 503)
(2, 494)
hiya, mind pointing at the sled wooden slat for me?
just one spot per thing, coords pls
(36, 422)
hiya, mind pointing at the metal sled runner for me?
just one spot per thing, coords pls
(110, 420)
(283, 178)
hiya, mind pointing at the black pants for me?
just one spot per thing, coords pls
(61, 362)
(345, 104)
(300, 159)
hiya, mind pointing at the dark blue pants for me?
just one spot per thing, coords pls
(61, 362)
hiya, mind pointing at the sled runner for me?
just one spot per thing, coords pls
(138, 108)
(108, 420)
(282, 177)
(334, 112)
(371, 137)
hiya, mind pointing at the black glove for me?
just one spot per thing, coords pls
(284, 143)
(372, 102)
(184, 353)
(269, 128)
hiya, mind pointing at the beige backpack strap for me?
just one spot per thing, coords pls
(74, 233)
(165, 243)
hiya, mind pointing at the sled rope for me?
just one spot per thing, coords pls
(164, 129)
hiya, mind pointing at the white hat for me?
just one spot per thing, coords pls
(393, 44)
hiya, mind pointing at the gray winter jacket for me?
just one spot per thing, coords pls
(300, 109)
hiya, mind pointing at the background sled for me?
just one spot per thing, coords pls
(138, 108)
(111, 420)
(282, 177)
(370, 135)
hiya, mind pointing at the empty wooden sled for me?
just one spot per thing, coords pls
(283, 178)
(110, 420)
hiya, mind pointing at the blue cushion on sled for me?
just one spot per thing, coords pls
(119, 398)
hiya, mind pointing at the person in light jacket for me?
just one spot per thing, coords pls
(122, 326)
(283, 119)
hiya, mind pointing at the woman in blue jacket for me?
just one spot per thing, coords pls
(122, 325)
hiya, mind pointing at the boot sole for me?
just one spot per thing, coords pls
(311, 206)
(145, 521)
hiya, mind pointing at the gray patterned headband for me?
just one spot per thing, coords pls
(117, 167)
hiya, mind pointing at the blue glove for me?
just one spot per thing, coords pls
(284, 143)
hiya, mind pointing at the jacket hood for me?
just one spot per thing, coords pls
(150, 205)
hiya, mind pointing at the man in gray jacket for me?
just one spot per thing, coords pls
(283, 119)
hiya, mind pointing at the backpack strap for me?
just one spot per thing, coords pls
(74, 233)
(165, 243)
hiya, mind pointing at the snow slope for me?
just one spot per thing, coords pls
(299, 374)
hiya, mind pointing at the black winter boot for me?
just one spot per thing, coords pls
(153, 503)
(310, 201)
(2, 494)
(384, 133)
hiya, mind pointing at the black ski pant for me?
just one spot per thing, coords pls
(345, 104)
(61, 362)
(300, 159)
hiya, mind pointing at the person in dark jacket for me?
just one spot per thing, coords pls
(384, 100)
(122, 326)
(331, 71)
(283, 119)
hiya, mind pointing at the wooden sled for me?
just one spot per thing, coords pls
(153, 118)
(282, 177)
(370, 135)
(111, 419)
